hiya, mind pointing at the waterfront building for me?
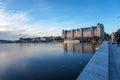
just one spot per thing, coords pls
(34, 40)
(26, 40)
(93, 32)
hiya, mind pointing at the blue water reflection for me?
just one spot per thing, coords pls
(44, 61)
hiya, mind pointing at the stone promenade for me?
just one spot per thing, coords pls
(104, 65)
(114, 62)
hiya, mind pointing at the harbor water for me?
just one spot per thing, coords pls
(44, 61)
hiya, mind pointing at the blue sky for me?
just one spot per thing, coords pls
(33, 18)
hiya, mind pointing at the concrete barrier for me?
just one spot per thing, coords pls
(97, 68)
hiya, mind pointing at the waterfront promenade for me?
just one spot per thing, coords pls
(97, 68)
(114, 62)
(105, 64)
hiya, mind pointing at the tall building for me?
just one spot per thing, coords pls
(82, 33)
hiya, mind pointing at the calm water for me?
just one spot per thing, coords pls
(44, 61)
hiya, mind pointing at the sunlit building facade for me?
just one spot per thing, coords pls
(90, 32)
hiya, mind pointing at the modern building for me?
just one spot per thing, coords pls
(93, 32)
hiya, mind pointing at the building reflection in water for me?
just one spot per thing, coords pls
(83, 47)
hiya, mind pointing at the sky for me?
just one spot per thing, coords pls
(34, 18)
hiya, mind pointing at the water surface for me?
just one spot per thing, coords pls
(44, 61)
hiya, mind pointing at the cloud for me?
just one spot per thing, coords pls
(14, 25)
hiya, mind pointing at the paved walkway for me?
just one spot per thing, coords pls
(114, 62)
(97, 68)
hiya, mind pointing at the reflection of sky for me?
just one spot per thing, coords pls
(12, 52)
(19, 60)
